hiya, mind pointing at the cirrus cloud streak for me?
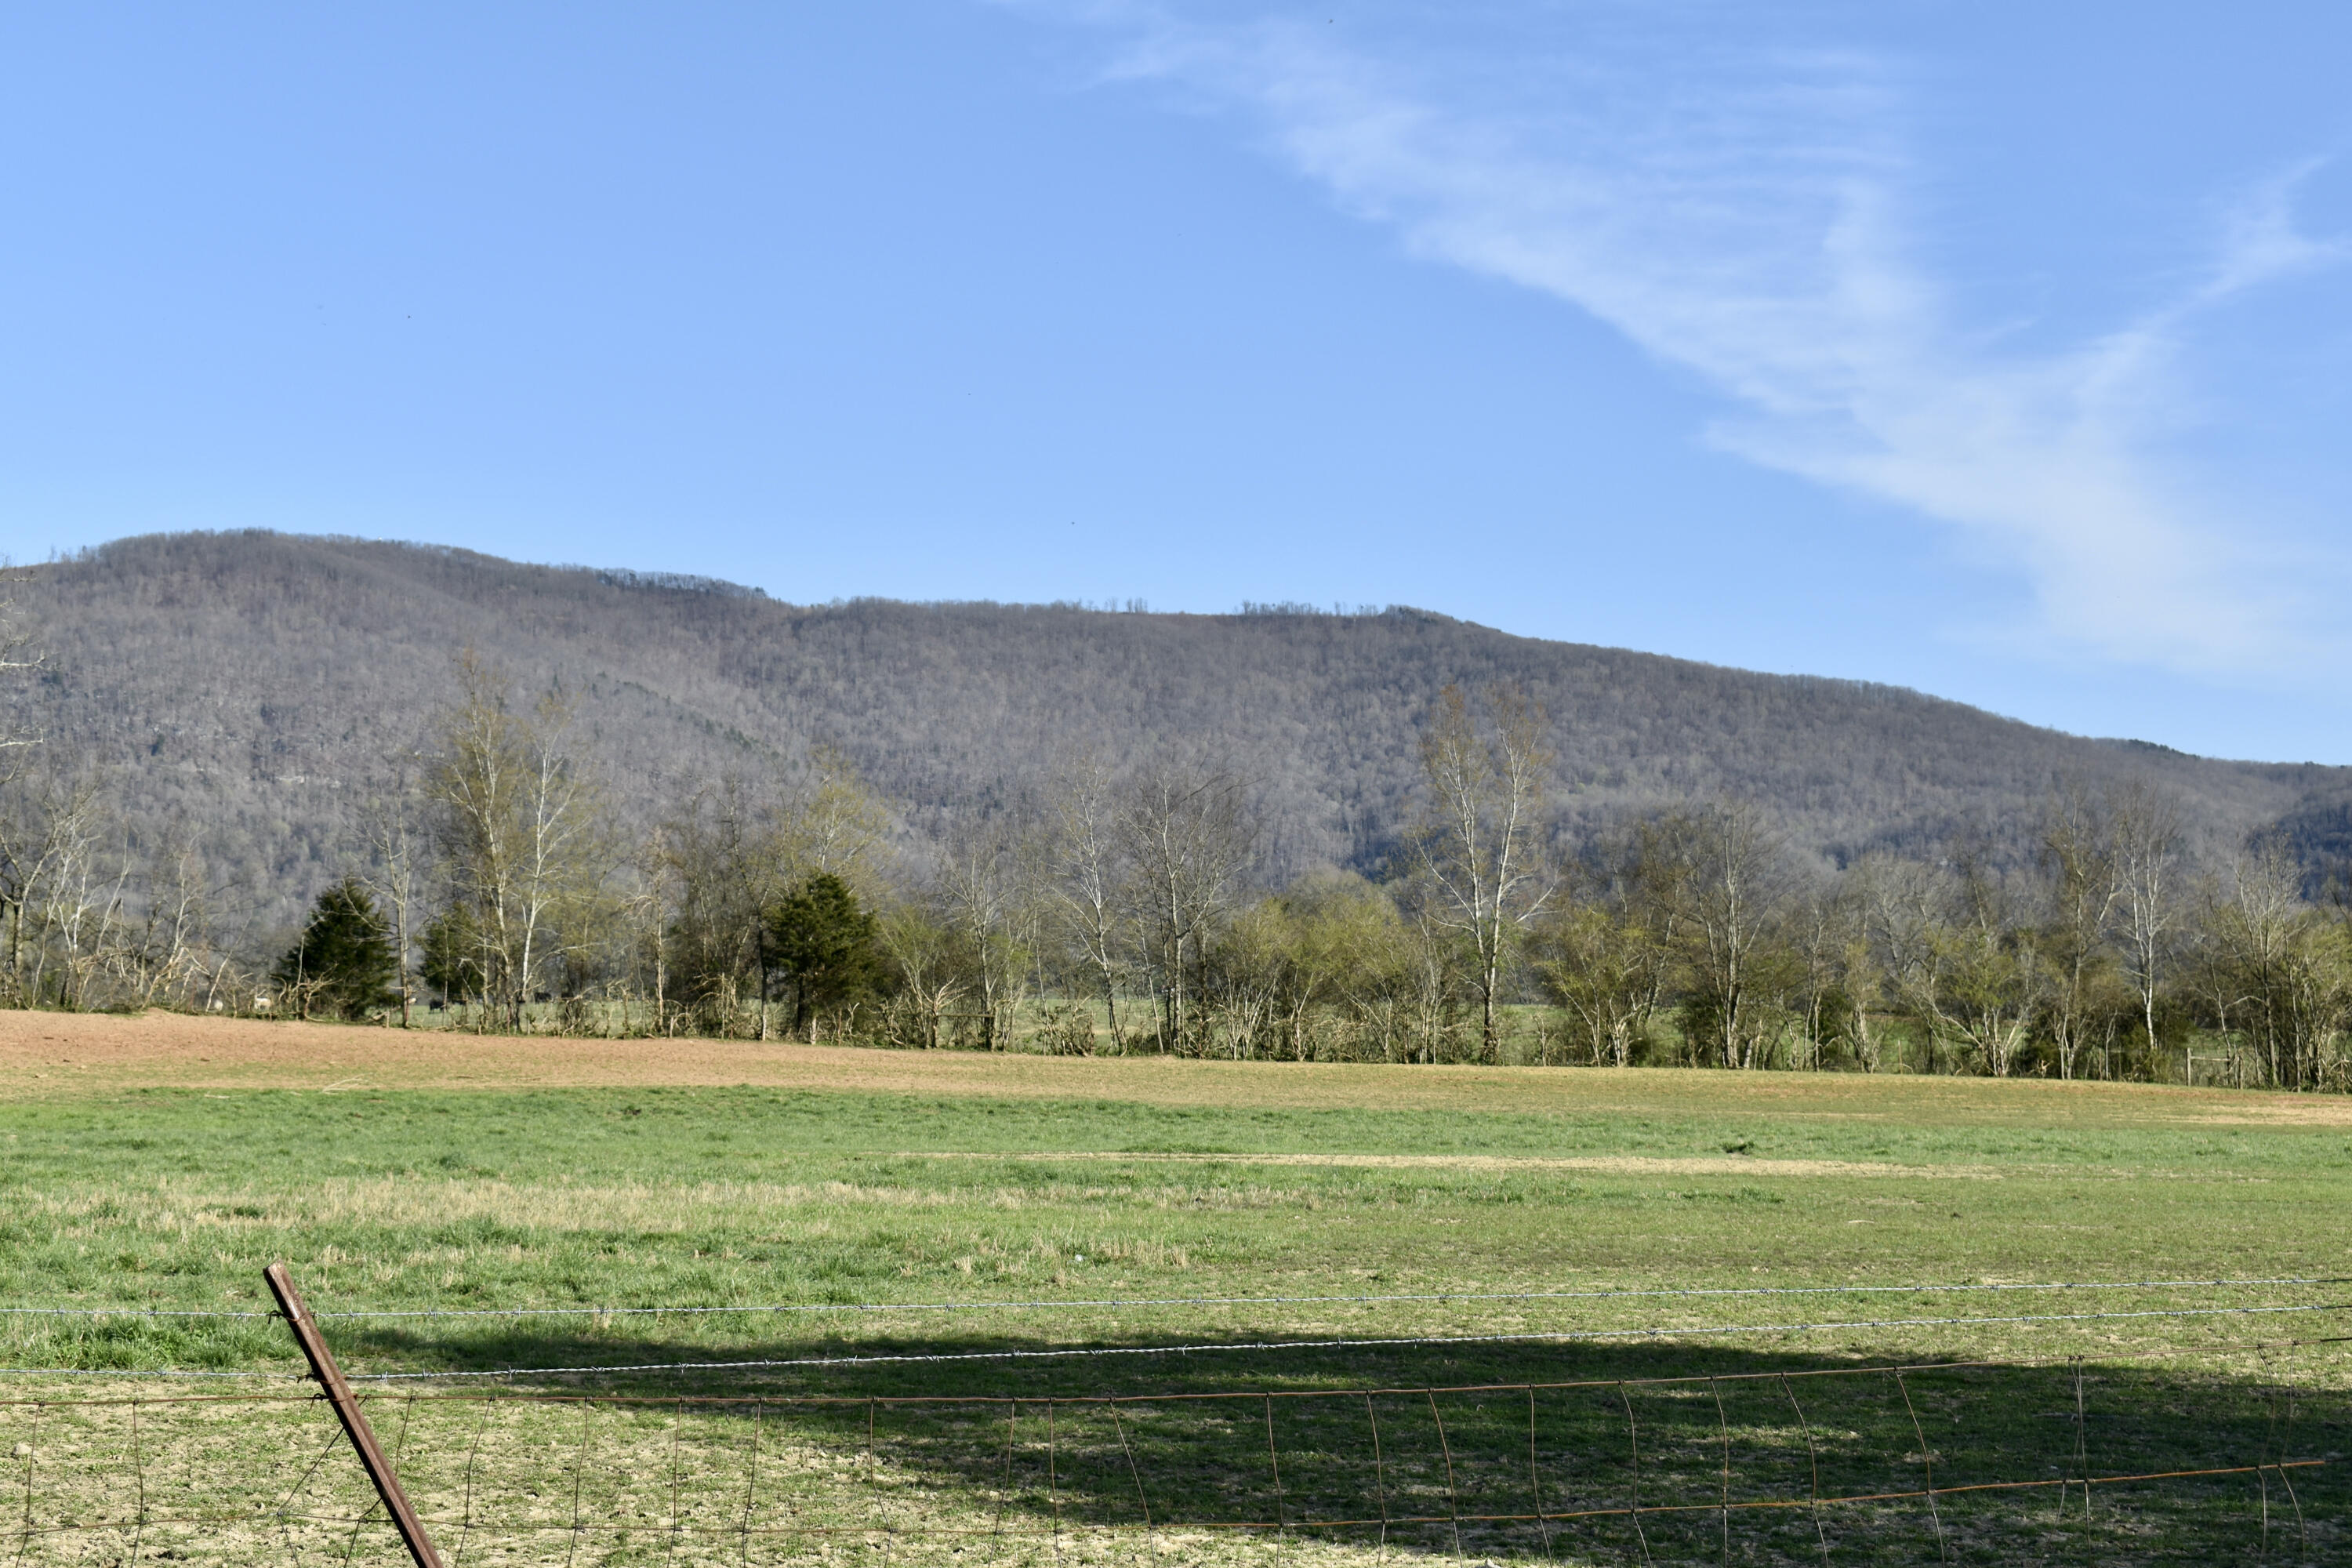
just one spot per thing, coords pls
(1748, 217)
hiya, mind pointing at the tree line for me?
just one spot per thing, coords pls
(490, 885)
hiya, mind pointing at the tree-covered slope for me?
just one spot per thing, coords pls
(255, 685)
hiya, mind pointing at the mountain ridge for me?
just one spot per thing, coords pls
(253, 685)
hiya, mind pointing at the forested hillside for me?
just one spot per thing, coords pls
(249, 688)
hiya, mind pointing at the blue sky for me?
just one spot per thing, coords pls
(2000, 350)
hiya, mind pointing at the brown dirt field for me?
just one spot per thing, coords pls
(47, 1054)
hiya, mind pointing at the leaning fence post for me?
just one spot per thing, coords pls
(347, 1411)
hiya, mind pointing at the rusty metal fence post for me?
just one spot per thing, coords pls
(354, 1420)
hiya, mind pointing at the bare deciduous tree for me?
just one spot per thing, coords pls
(174, 948)
(51, 844)
(2078, 857)
(1189, 835)
(719, 866)
(1988, 984)
(82, 916)
(1480, 847)
(1733, 899)
(921, 950)
(398, 853)
(1598, 964)
(1824, 929)
(1901, 903)
(1607, 954)
(1086, 876)
(2148, 860)
(1344, 940)
(1864, 983)
(987, 889)
(522, 830)
(2277, 965)
(835, 828)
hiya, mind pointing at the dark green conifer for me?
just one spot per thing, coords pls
(823, 941)
(343, 966)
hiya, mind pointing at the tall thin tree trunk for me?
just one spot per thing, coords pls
(760, 943)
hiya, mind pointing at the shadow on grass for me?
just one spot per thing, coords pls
(1575, 1451)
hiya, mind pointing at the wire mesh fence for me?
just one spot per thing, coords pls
(2067, 1460)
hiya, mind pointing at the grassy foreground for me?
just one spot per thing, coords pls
(134, 1175)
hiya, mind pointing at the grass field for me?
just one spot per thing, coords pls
(157, 1164)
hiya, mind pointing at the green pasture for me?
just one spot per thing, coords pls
(431, 1200)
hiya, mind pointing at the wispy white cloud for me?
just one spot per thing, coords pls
(1749, 220)
(2261, 242)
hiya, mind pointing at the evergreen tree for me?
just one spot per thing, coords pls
(824, 941)
(344, 965)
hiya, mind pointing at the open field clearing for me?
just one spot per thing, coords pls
(1443, 1297)
(44, 1054)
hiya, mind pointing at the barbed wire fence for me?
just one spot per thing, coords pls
(1771, 1457)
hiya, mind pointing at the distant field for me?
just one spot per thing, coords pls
(57, 1054)
(158, 1163)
